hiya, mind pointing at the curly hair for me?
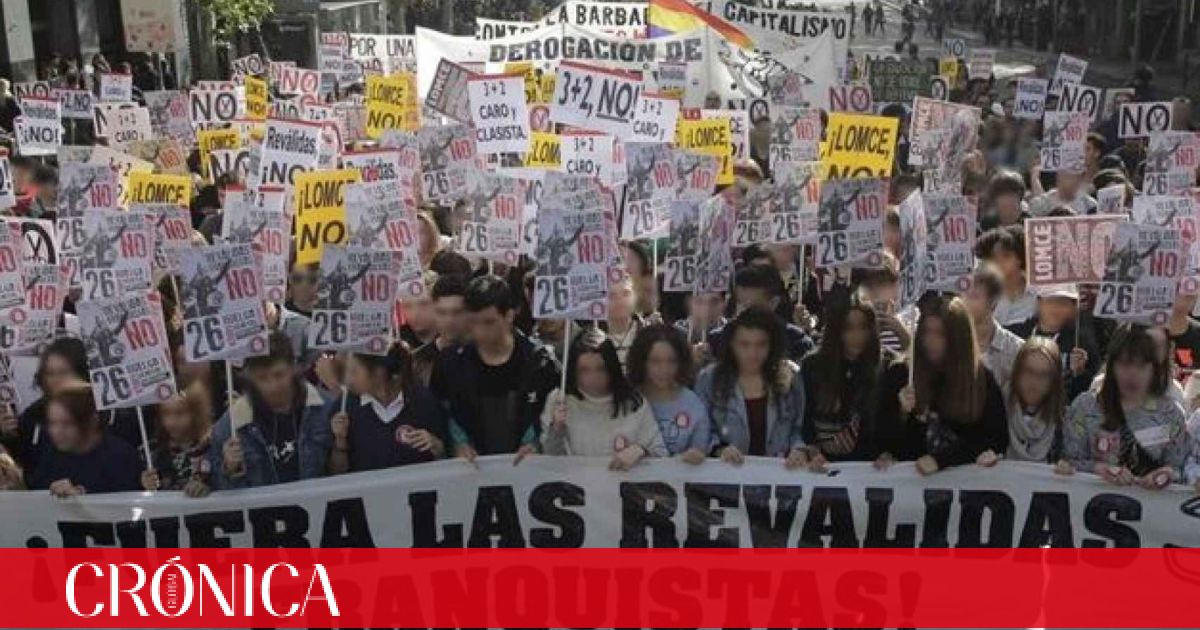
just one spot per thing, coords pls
(643, 344)
(754, 318)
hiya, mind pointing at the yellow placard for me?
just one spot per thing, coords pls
(140, 167)
(392, 104)
(159, 188)
(712, 136)
(857, 145)
(948, 66)
(209, 140)
(320, 211)
(257, 99)
(539, 85)
(545, 151)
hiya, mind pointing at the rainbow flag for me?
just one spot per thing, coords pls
(672, 17)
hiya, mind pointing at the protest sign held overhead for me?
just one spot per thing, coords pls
(448, 158)
(859, 146)
(850, 224)
(1141, 273)
(1140, 120)
(572, 257)
(1031, 99)
(595, 98)
(648, 191)
(377, 218)
(492, 227)
(320, 215)
(1064, 135)
(288, 148)
(357, 292)
(1069, 70)
(498, 113)
(117, 254)
(222, 300)
(795, 135)
(129, 359)
(1060, 250)
(951, 222)
(251, 219)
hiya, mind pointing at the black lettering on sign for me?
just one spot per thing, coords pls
(649, 505)
(769, 530)
(705, 503)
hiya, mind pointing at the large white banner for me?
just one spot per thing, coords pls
(571, 502)
(623, 19)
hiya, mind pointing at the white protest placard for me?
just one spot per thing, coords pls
(288, 147)
(572, 257)
(170, 115)
(448, 157)
(491, 229)
(752, 215)
(1172, 158)
(172, 232)
(1064, 140)
(129, 358)
(714, 258)
(951, 221)
(679, 264)
(232, 162)
(655, 118)
(592, 155)
(980, 63)
(1111, 199)
(8, 195)
(116, 87)
(498, 113)
(1069, 70)
(250, 65)
(795, 135)
(1141, 274)
(38, 129)
(1179, 212)
(649, 189)
(354, 307)
(12, 283)
(117, 254)
(301, 81)
(850, 223)
(595, 98)
(799, 187)
(954, 47)
(25, 89)
(76, 104)
(1030, 102)
(83, 187)
(398, 165)
(213, 103)
(695, 174)
(129, 125)
(252, 220)
(448, 94)
(222, 303)
(45, 292)
(851, 97)
(378, 217)
(1080, 99)
(1140, 120)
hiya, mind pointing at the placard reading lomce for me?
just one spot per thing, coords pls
(1062, 250)
(859, 146)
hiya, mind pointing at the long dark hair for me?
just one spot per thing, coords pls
(643, 344)
(830, 357)
(1130, 343)
(71, 350)
(957, 388)
(753, 318)
(397, 364)
(592, 340)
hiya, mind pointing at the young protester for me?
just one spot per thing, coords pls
(180, 453)
(277, 431)
(494, 387)
(62, 362)
(623, 322)
(760, 286)
(419, 328)
(997, 345)
(753, 393)
(880, 287)
(1005, 248)
(1003, 203)
(1124, 432)
(388, 418)
(843, 381)
(952, 413)
(600, 413)
(302, 289)
(449, 320)
(83, 458)
(1036, 403)
(1059, 317)
(660, 367)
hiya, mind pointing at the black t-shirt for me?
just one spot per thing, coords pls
(498, 385)
(280, 432)
(113, 466)
(1187, 346)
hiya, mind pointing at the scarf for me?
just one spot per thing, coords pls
(1029, 438)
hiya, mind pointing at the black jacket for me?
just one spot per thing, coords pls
(857, 419)
(1067, 340)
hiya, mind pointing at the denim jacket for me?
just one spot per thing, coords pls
(314, 441)
(728, 415)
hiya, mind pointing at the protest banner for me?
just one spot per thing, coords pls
(855, 97)
(622, 19)
(288, 149)
(980, 63)
(850, 226)
(257, 97)
(222, 298)
(117, 254)
(210, 140)
(914, 249)
(159, 188)
(76, 104)
(115, 87)
(1140, 120)
(8, 194)
(1172, 158)
(899, 80)
(491, 229)
(784, 31)
(377, 218)
(1080, 99)
(951, 225)
(38, 129)
(714, 254)
(129, 359)
(1141, 273)
(795, 216)
(170, 115)
(172, 232)
(498, 113)
(655, 118)
(1061, 250)
(214, 103)
(12, 278)
(595, 155)
(448, 158)
(384, 54)
(45, 286)
(1064, 140)
(595, 98)
(320, 211)
(391, 104)
(447, 94)
(857, 145)
(709, 137)
(1030, 103)
(928, 115)
(356, 298)
(571, 280)
(752, 215)
(250, 219)
(1069, 70)
(795, 135)
(648, 191)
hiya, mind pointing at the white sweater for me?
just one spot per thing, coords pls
(592, 431)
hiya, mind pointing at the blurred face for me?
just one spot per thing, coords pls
(56, 372)
(176, 418)
(302, 285)
(429, 238)
(891, 238)
(1092, 154)
(633, 263)
(419, 315)
(856, 334)
(64, 433)
(1068, 184)
(590, 374)
(1008, 207)
(488, 327)
(706, 307)
(662, 366)
(883, 295)
(1008, 262)
(647, 295)
(745, 297)
(1054, 313)
(978, 303)
(191, 372)
(1033, 380)
(449, 317)
(1133, 378)
(751, 347)
(933, 341)
(275, 383)
(783, 257)
(620, 301)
